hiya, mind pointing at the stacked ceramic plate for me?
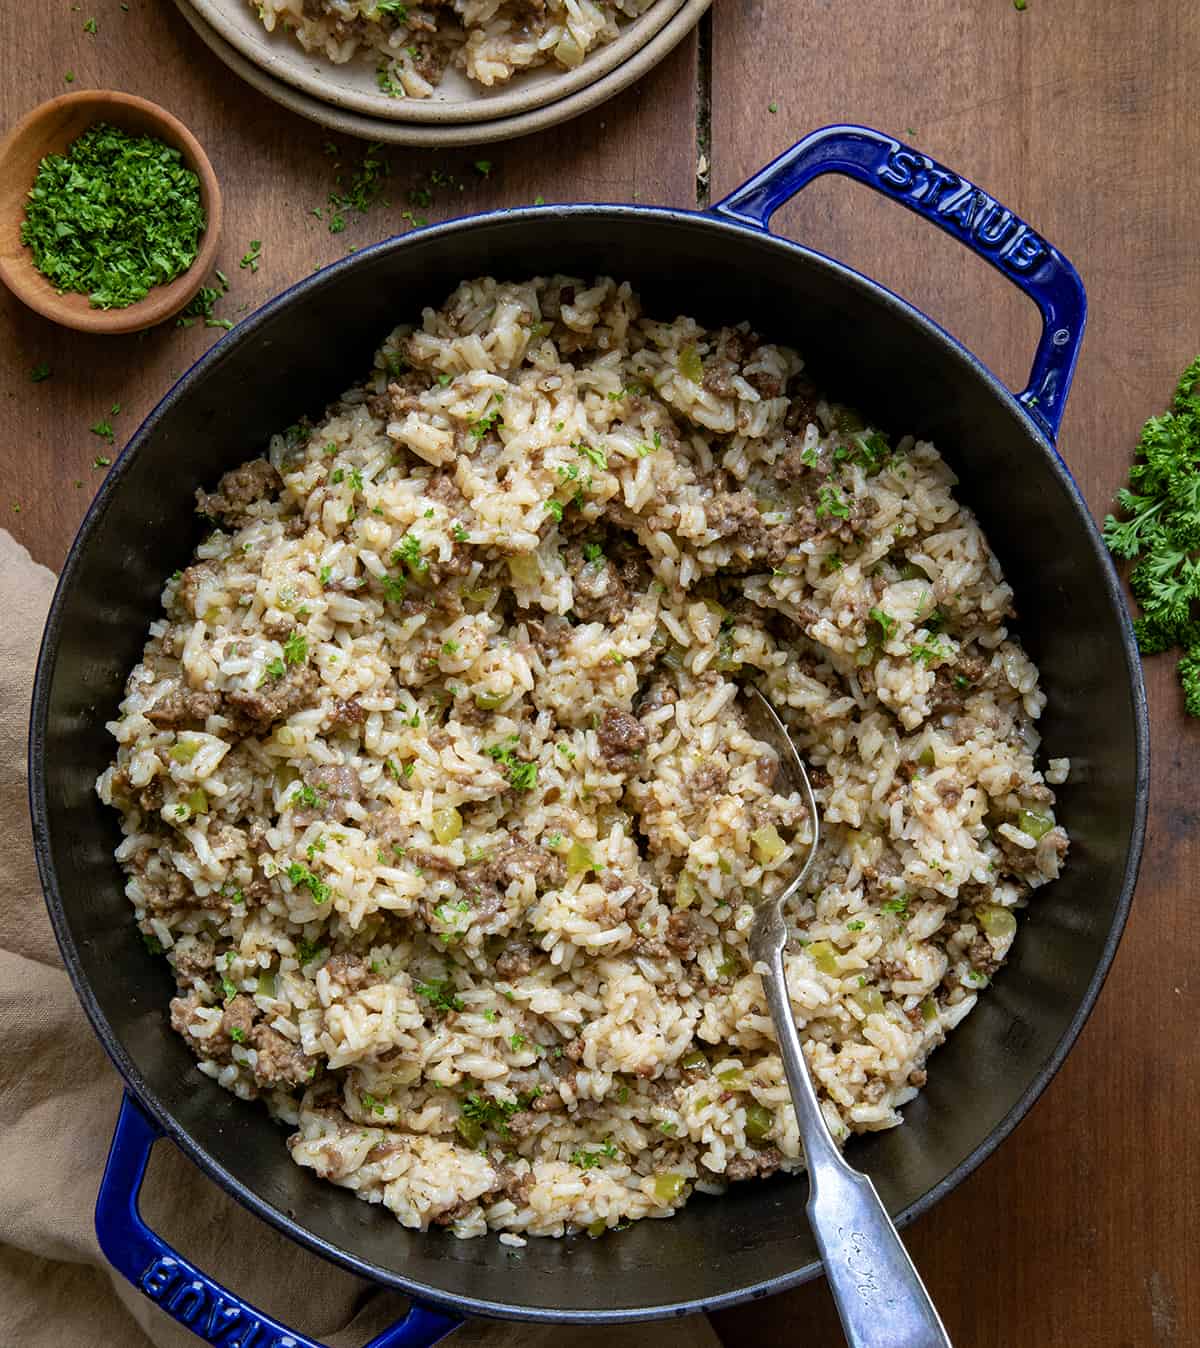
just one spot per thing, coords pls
(348, 97)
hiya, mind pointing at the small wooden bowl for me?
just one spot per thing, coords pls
(50, 129)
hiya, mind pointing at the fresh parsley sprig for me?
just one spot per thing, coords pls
(1160, 531)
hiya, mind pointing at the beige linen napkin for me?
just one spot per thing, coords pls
(59, 1097)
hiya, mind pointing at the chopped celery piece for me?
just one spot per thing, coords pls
(447, 825)
(1036, 824)
(470, 1130)
(767, 843)
(185, 750)
(668, 1187)
(694, 1061)
(579, 859)
(824, 957)
(870, 999)
(690, 364)
(685, 890)
(997, 922)
(525, 568)
(266, 984)
(759, 1122)
(486, 700)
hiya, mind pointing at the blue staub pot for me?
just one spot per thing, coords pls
(864, 345)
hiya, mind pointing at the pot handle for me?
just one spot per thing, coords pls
(190, 1297)
(960, 209)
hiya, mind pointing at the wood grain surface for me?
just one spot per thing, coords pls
(1081, 117)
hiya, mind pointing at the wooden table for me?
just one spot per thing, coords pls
(1082, 116)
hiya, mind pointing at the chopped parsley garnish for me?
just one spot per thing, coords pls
(408, 552)
(554, 509)
(593, 453)
(460, 533)
(307, 951)
(887, 624)
(856, 925)
(101, 461)
(303, 878)
(104, 430)
(643, 450)
(238, 1035)
(228, 990)
(450, 647)
(588, 1160)
(489, 421)
(522, 776)
(517, 1041)
(295, 648)
(252, 256)
(593, 552)
(113, 217)
(308, 796)
(872, 453)
(202, 303)
(275, 668)
(830, 502)
(924, 652)
(39, 372)
(483, 167)
(440, 994)
(324, 575)
(898, 905)
(362, 190)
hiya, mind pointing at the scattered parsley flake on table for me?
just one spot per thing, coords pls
(39, 372)
(201, 305)
(1160, 531)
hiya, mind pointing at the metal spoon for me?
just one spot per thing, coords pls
(879, 1294)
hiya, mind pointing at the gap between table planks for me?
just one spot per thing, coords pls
(1077, 116)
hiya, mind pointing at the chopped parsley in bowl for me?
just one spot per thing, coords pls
(110, 212)
(113, 217)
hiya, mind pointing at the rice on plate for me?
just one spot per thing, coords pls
(414, 44)
(437, 794)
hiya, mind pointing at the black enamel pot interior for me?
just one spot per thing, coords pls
(301, 351)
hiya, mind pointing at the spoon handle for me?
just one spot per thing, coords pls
(879, 1294)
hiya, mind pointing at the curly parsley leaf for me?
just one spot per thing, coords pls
(1160, 532)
